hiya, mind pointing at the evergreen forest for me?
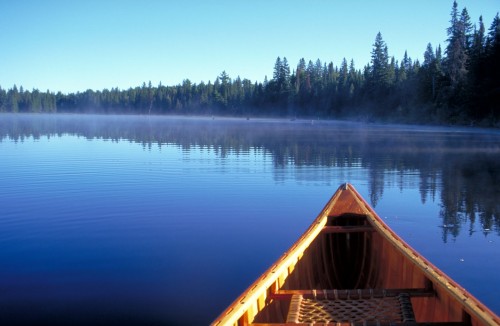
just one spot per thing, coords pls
(456, 84)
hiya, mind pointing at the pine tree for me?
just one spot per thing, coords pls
(354, 77)
(277, 69)
(391, 71)
(490, 91)
(479, 42)
(36, 102)
(466, 29)
(13, 100)
(456, 51)
(379, 70)
(224, 89)
(493, 40)
(284, 77)
(279, 87)
(429, 56)
(431, 74)
(300, 76)
(318, 76)
(343, 73)
(477, 71)
(302, 83)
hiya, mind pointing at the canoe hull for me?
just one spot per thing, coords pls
(349, 248)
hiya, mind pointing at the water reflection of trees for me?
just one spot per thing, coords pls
(464, 167)
(470, 194)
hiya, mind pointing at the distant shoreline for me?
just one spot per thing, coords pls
(355, 123)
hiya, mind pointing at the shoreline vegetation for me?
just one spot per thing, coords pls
(457, 85)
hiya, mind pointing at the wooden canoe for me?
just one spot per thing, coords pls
(350, 268)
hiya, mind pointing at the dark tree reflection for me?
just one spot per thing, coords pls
(461, 166)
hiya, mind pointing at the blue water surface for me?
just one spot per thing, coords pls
(138, 220)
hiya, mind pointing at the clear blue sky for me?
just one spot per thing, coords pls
(72, 46)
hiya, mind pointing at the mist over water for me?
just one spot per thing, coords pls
(165, 220)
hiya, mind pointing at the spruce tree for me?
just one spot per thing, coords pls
(277, 69)
(478, 42)
(13, 100)
(284, 77)
(429, 74)
(491, 77)
(456, 51)
(343, 73)
(379, 70)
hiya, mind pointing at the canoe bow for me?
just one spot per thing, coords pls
(383, 261)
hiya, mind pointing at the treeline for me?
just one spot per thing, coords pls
(460, 84)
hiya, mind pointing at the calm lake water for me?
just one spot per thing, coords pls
(139, 220)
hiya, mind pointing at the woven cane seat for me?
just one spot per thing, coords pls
(394, 308)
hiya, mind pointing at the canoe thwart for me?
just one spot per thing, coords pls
(347, 229)
(350, 294)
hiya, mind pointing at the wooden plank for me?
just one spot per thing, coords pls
(354, 294)
(347, 229)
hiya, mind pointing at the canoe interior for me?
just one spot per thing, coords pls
(359, 260)
(354, 250)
